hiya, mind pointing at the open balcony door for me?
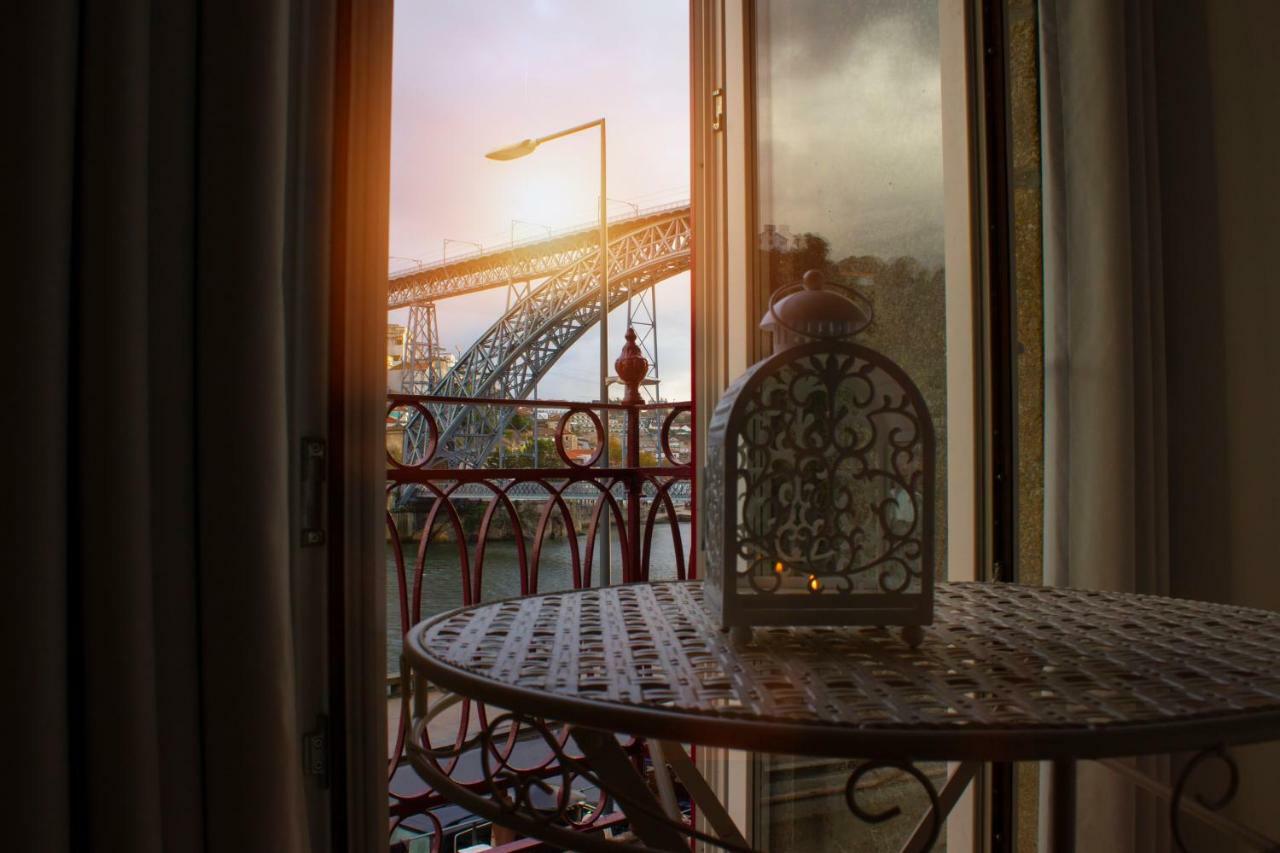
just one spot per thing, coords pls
(731, 293)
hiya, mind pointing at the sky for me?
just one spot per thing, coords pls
(849, 107)
(473, 75)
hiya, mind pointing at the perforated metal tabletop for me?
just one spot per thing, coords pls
(1006, 672)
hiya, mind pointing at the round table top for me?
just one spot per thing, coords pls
(1006, 673)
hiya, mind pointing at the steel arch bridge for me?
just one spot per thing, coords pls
(524, 261)
(521, 347)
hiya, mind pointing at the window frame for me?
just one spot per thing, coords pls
(355, 734)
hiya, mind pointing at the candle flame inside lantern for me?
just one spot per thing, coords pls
(778, 568)
(814, 583)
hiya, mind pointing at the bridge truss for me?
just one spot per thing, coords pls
(526, 260)
(521, 347)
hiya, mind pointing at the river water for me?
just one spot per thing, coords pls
(442, 578)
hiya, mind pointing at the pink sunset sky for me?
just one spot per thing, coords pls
(473, 75)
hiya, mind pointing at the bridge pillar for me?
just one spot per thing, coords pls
(424, 358)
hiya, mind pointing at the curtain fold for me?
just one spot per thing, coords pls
(147, 627)
(1106, 455)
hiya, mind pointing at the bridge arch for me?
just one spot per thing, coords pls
(520, 348)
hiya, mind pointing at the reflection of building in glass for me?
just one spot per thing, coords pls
(775, 238)
(858, 270)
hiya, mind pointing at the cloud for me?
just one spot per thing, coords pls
(849, 116)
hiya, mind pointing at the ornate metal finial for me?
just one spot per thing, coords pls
(632, 367)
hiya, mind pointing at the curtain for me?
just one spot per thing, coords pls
(148, 654)
(1106, 478)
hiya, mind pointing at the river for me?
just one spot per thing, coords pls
(442, 582)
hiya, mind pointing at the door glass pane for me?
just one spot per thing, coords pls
(849, 180)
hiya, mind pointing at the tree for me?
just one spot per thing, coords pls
(787, 264)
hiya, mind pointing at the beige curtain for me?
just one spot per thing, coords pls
(1161, 202)
(147, 650)
(1106, 480)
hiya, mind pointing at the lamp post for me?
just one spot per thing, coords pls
(416, 261)
(631, 204)
(444, 247)
(516, 222)
(524, 148)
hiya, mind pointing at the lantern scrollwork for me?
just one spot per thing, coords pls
(818, 494)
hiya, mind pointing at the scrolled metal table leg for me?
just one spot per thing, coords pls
(935, 806)
(1207, 811)
(1180, 788)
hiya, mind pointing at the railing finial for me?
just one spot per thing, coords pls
(632, 368)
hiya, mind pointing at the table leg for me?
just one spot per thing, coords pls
(713, 811)
(952, 790)
(627, 786)
(1063, 817)
(662, 778)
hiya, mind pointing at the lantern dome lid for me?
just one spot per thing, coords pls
(807, 310)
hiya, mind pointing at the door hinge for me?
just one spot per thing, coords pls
(314, 456)
(315, 751)
(717, 109)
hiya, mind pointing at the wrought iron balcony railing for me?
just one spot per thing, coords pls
(571, 486)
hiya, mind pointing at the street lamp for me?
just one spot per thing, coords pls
(523, 148)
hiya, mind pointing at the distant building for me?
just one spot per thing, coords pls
(395, 345)
(395, 358)
(442, 361)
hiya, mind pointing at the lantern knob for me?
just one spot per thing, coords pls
(808, 312)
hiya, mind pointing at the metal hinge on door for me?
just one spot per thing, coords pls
(311, 500)
(717, 109)
(315, 751)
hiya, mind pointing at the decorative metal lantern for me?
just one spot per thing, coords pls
(818, 498)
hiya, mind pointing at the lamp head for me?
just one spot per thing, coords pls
(511, 152)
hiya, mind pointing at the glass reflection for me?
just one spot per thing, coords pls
(849, 181)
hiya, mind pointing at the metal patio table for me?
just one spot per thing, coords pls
(1006, 673)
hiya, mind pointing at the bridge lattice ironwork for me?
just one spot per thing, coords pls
(521, 261)
(516, 351)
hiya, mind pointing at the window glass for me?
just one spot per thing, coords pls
(849, 180)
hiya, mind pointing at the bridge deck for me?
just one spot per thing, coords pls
(536, 258)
